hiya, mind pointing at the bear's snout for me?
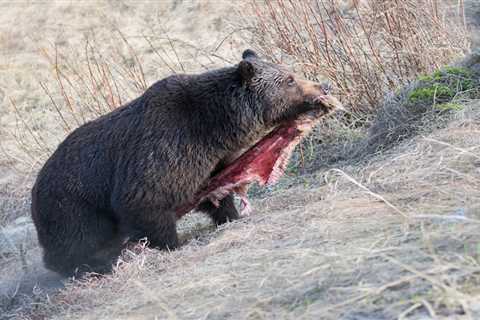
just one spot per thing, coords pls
(329, 102)
(319, 95)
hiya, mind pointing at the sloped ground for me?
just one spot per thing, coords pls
(397, 237)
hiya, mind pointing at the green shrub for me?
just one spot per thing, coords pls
(441, 87)
(424, 104)
(431, 93)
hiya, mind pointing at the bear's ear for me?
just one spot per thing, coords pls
(249, 53)
(246, 70)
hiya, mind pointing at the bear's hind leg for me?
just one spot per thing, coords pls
(89, 243)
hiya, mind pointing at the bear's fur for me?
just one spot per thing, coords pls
(121, 176)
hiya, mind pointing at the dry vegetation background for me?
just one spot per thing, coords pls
(379, 217)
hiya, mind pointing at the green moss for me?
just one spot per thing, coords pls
(437, 75)
(450, 71)
(442, 86)
(431, 93)
(449, 106)
(458, 71)
(461, 77)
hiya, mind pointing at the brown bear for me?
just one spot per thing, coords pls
(132, 172)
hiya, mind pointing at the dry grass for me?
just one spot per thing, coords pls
(364, 63)
(89, 58)
(13, 204)
(375, 47)
(81, 88)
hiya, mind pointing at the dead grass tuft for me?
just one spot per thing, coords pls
(82, 87)
(367, 51)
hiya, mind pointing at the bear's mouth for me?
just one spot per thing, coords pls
(265, 162)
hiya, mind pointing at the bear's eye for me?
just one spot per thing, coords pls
(290, 82)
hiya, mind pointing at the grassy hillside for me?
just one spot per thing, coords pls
(394, 237)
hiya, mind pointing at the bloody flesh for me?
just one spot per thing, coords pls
(264, 163)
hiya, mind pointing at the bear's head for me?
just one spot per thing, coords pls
(288, 106)
(283, 95)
